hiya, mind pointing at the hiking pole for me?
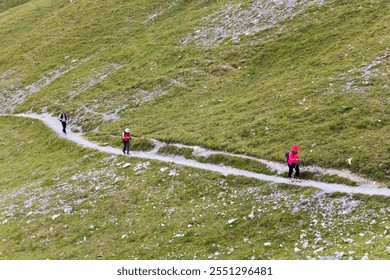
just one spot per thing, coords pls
(300, 171)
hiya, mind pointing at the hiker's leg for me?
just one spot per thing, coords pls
(128, 147)
(124, 146)
(290, 170)
(297, 170)
(63, 127)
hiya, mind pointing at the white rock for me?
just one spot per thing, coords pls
(55, 216)
(339, 255)
(232, 221)
(319, 250)
(68, 209)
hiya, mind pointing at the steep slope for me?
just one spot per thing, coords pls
(5, 5)
(64, 201)
(245, 76)
(264, 170)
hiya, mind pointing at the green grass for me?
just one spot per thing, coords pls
(8, 4)
(237, 162)
(24, 143)
(173, 150)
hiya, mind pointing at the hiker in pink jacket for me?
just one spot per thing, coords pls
(293, 162)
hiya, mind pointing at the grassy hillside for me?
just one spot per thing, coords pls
(8, 4)
(60, 201)
(317, 77)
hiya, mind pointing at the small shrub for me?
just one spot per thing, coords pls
(173, 150)
(141, 144)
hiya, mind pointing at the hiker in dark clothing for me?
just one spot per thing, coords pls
(126, 136)
(64, 120)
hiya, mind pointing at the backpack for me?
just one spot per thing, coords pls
(63, 117)
(287, 155)
(126, 136)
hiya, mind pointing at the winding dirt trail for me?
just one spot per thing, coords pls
(364, 186)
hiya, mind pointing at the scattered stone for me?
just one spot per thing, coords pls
(338, 255)
(141, 166)
(231, 221)
(163, 169)
(126, 165)
(318, 250)
(68, 210)
(55, 216)
(236, 19)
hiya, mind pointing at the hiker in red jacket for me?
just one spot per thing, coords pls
(293, 162)
(126, 136)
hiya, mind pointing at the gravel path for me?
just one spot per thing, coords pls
(364, 186)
